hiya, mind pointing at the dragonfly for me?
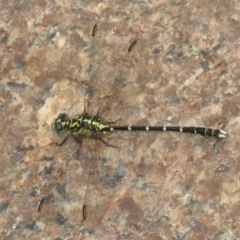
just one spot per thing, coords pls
(111, 94)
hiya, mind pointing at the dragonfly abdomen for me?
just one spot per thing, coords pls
(219, 133)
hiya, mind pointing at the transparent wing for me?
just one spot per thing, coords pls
(104, 173)
(61, 185)
(117, 76)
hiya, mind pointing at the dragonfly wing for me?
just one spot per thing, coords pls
(104, 174)
(116, 75)
(58, 184)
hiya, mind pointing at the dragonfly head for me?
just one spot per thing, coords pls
(59, 123)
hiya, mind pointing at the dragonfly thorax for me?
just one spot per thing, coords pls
(84, 125)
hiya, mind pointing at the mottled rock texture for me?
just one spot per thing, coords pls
(175, 186)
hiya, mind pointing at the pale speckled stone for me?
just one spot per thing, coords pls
(177, 186)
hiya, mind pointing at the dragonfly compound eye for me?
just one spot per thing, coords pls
(57, 127)
(59, 123)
